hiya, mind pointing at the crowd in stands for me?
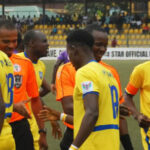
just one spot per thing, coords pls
(118, 20)
(116, 25)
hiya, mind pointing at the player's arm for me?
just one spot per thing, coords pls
(20, 108)
(2, 110)
(67, 104)
(32, 91)
(124, 135)
(123, 128)
(48, 114)
(130, 103)
(45, 88)
(136, 83)
(55, 68)
(143, 120)
(36, 107)
(89, 119)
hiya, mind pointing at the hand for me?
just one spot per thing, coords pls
(53, 88)
(42, 141)
(144, 121)
(48, 114)
(124, 110)
(21, 108)
(56, 130)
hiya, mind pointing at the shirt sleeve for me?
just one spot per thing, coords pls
(61, 56)
(32, 87)
(87, 83)
(64, 83)
(136, 80)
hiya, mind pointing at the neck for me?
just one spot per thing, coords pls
(86, 59)
(30, 55)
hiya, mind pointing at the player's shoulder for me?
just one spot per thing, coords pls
(4, 60)
(3, 55)
(90, 69)
(143, 66)
(21, 54)
(109, 67)
(68, 67)
(18, 57)
(41, 63)
(146, 63)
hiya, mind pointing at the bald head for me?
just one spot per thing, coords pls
(32, 35)
(35, 42)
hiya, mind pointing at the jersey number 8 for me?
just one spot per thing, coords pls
(115, 101)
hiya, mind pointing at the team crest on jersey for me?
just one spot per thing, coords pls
(17, 68)
(17, 81)
(41, 75)
(87, 86)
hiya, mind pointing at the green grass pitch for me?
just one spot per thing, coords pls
(124, 69)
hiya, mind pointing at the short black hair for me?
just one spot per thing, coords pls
(29, 35)
(7, 24)
(94, 27)
(81, 37)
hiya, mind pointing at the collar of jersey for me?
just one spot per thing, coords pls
(25, 54)
(92, 61)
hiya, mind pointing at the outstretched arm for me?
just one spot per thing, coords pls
(48, 114)
(36, 107)
(142, 120)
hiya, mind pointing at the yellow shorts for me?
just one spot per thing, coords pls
(35, 131)
(145, 133)
(7, 142)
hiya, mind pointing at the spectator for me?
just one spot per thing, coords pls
(114, 42)
(146, 29)
(107, 29)
(54, 30)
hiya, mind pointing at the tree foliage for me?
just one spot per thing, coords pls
(79, 8)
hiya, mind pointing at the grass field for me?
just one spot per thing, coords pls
(124, 69)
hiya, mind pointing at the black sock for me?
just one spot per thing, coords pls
(126, 142)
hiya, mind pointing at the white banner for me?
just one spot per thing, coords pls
(112, 53)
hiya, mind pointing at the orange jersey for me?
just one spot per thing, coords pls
(24, 82)
(116, 76)
(65, 82)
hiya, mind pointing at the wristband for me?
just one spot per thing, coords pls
(63, 117)
(73, 147)
(42, 130)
